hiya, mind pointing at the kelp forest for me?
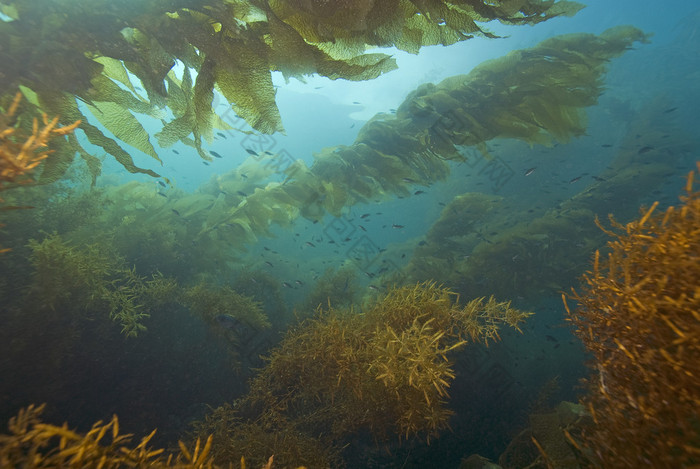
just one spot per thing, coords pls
(501, 270)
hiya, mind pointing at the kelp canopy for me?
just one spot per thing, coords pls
(59, 51)
(536, 95)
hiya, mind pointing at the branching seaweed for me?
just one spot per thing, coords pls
(386, 371)
(33, 443)
(638, 318)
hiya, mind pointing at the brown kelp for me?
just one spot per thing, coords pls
(638, 317)
(535, 95)
(386, 371)
(87, 52)
(22, 150)
(91, 279)
(34, 443)
(488, 243)
(20, 153)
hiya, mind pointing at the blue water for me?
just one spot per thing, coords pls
(653, 87)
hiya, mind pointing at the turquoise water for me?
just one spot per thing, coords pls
(640, 140)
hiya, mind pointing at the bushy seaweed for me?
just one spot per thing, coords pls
(638, 317)
(91, 279)
(33, 443)
(386, 371)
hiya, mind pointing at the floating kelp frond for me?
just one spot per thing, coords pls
(81, 50)
(536, 95)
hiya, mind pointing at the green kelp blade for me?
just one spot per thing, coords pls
(93, 163)
(115, 70)
(96, 137)
(243, 77)
(124, 126)
(509, 97)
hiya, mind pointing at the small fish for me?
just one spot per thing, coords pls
(364, 215)
(161, 194)
(530, 171)
(286, 285)
(598, 178)
(551, 338)
(269, 263)
(356, 102)
(161, 183)
(418, 192)
(574, 179)
(398, 227)
(408, 180)
(393, 111)
(252, 152)
(205, 163)
(353, 125)
(215, 154)
(309, 243)
(175, 212)
(269, 153)
(373, 287)
(606, 145)
(176, 152)
(227, 321)
(221, 134)
(242, 194)
(299, 282)
(670, 110)
(422, 243)
(362, 228)
(644, 149)
(244, 176)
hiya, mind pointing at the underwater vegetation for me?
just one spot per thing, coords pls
(229, 314)
(481, 244)
(21, 151)
(229, 45)
(535, 95)
(386, 371)
(336, 288)
(31, 443)
(638, 317)
(92, 279)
